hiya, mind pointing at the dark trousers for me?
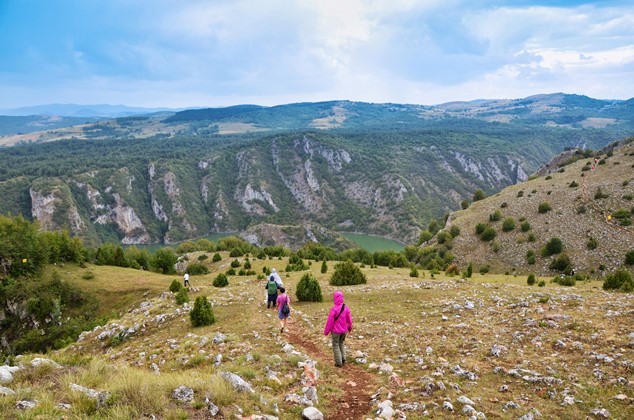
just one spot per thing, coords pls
(272, 301)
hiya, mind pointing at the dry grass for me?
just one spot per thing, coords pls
(396, 318)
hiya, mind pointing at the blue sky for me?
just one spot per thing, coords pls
(160, 53)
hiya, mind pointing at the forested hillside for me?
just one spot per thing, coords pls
(383, 169)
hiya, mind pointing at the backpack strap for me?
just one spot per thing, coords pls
(340, 312)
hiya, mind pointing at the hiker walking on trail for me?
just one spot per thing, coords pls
(186, 280)
(271, 290)
(283, 308)
(339, 323)
(278, 279)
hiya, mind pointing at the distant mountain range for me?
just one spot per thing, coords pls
(75, 110)
(383, 169)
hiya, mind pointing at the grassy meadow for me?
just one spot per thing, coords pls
(563, 351)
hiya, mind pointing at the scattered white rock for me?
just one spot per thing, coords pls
(6, 373)
(311, 413)
(26, 404)
(465, 400)
(38, 361)
(237, 382)
(6, 391)
(385, 410)
(601, 413)
(183, 394)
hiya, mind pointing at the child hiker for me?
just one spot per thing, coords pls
(339, 323)
(283, 308)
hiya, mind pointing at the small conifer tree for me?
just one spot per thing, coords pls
(216, 257)
(531, 279)
(202, 313)
(324, 266)
(469, 270)
(346, 273)
(181, 296)
(176, 286)
(221, 280)
(308, 289)
(413, 272)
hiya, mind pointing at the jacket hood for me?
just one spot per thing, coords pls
(338, 298)
(273, 270)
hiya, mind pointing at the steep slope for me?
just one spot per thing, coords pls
(171, 190)
(591, 212)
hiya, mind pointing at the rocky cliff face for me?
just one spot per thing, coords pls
(391, 190)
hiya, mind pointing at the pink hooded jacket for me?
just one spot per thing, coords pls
(344, 322)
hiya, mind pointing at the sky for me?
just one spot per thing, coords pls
(188, 53)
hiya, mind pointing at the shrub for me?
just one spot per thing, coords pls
(221, 280)
(197, 269)
(489, 234)
(454, 231)
(478, 195)
(235, 264)
(201, 314)
(531, 279)
(592, 244)
(295, 263)
(413, 272)
(561, 263)
(520, 193)
(531, 237)
(231, 272)
(164, 260)
(203, 257)
(464, 204)
(573, 184)
(508, 224)
(181, 296)
(346, 273)
(470, 270)
(308, 289)
(525, 226)
(600, 194)
(88, 275)
(247, 264)
(544, 207)
(566, 281)
(541, 283)
(236, 252)
(617, 279)
(324, 266)
(425, 236)
(629, 258)
(452, 269)
(484, 269)
(495, 216)
(176, 286)
(581, 209)
(443, 237)
(480, 228)
(216, 257)
(530, 256)
(552, 247)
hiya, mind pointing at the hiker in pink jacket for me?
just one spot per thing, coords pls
(338, 325)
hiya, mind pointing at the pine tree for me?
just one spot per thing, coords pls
(201, 314)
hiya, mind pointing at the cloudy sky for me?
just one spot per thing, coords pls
(166, 53)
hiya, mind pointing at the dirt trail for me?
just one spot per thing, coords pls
(356, 383)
